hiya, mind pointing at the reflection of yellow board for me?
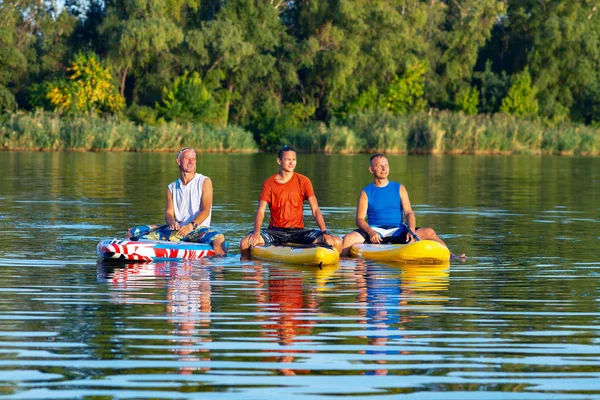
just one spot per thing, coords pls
(421, 251)
(425, 277)
(313, 255)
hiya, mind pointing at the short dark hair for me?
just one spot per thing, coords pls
(374, 156)
(284, 149)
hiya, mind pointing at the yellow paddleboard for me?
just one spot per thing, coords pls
(421, 251)
(290, 254)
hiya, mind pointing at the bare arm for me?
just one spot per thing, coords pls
(316, 213)
(206, 202)
(361, 218)
(258, 220)
(318, 216)
(411, 220)
(170, 212)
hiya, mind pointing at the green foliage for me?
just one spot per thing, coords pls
(293, 117)
(189, 99)
(50, 131)
(494, 88)
(369, 100)
(405, 93)
(457, 39)
(276, 67)
(521, 98)
(558, 40)
(89, 88)
(13, 58)
(143, 115)
(142, 37)
(7, 99)
(467, 100)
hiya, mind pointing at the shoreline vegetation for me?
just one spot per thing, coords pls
(442, 132)
(352, 76)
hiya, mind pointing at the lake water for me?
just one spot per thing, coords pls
(519, 319)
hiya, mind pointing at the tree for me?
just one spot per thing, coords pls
(493, 88)
(244, 51)
(189, 99)
(458, 41)
(89, 88)
(33, 46)
(13, 62)
(467, 100)
(405, 93)
(142, 36)
(521, 98)
(558, 41)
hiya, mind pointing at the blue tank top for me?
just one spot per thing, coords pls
(385, 206)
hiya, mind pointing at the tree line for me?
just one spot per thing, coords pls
(271, 65)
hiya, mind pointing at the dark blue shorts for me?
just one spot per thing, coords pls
(290, 235)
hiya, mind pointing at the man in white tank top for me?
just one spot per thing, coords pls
(189, 204)
(188, 210)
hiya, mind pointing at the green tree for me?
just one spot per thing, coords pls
(467, 100)
(457, 41)
(349, 52)
(405, 93)
(142, 36)
(521, 98)
(493, 88)
(189, 99)
(244, 51)
(13, 61)
(558, 40)
(89, 88)
(33, 45)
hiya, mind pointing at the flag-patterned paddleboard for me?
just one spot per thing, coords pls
(152, 250)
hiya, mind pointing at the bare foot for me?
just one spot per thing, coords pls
(461, 258)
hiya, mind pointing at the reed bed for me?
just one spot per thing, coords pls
(445, 132)
(430, 133)
(51, 132)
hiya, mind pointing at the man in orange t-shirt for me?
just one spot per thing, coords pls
(285, 193)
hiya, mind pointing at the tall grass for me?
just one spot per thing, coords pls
(445, 132)
(439, 132)
(48, 131)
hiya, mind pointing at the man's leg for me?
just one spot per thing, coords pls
(429, 234)
(208, 236)
(350, 239)
(245, 243)
(218, 245)
(335, 242)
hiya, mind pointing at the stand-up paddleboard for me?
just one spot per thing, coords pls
(152, 250)
(421, 251)
(297, 254)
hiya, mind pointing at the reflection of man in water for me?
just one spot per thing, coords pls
(188, 295)
(380, 292)
(286, 294)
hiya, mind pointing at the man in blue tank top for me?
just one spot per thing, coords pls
(381, 209)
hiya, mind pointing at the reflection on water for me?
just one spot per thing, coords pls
(518, 320)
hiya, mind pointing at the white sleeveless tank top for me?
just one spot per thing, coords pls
(187, 200)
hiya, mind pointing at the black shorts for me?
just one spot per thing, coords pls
(290, 235)
(399, 237)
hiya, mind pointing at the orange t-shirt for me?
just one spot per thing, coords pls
(286, 199)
